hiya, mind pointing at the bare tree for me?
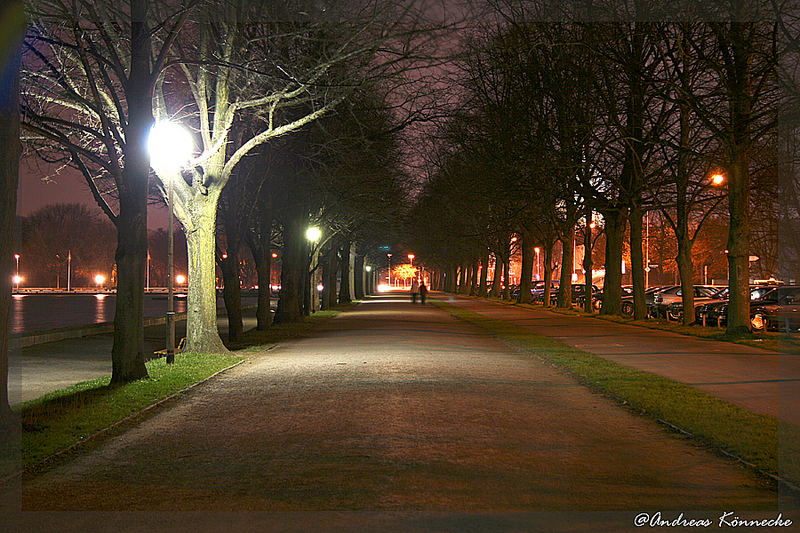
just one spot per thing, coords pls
(284, 64)
(88, 80)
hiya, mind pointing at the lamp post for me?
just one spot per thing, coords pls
(171, 147)
(313, 235)
(389, 256)
(17, 279)
(537, 250)
(69, 270)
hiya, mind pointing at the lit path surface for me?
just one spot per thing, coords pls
(392, 417)
(759, 380)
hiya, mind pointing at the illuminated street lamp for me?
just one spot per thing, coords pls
(411, 258)
(717, 179)
(99, 279)
(171, 146)
(180, 279)
(389, 258)
(537, 250)
(17, 279)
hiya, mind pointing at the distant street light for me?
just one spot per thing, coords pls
(180, 279)
(171, 147)
(389, 258)
(17, 279)
(717, 179)
(537, 250)
(411, 258)
(99, 279)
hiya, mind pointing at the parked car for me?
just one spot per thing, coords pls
(662, 299)
(675, 309)
(649, 295)
(716, 313)
(627, 292)
(777, 310)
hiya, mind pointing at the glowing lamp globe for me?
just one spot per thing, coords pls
(170, 145)
(99, 279)
(313, 234)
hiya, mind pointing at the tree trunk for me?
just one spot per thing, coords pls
(526, 274)
(612, 284)
(358, 276)
(127, 352)
(567, 262)
(484, 274)
(232, 293)
(262, 256)
(10, 150)
(587, 262)
(506, 278)
(548, 272)
(738, 84)
(293, 265)
(202, 335)
(345, 291)
(637, 261)
(331, 269)
(739, 247)
(495, 292)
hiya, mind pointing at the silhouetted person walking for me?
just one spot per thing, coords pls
(414, 290)
(423, 292)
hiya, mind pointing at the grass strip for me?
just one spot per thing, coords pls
(62, 418)
(763, 441)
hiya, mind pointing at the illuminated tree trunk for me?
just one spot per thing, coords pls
(202, 335)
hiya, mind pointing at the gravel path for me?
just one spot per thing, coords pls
(410, 418)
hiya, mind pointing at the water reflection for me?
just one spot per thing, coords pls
(41, 312)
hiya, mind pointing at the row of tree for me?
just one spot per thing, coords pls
(592, 112)
(244, 76)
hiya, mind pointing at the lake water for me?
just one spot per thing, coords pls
(40, 312)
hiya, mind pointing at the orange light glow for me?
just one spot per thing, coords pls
(717, 179)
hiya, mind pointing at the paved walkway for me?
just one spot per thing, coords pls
(392, 417)
(759, 380)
